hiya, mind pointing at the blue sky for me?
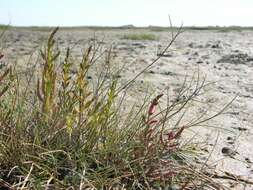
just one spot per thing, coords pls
(123, 12)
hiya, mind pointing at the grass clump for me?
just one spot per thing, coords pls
(57, 130)
(140, 36)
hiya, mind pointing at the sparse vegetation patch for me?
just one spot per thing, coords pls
(140, 36)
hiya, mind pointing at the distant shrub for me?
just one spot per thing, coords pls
(140, 36)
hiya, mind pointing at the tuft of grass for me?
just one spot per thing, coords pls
(140, 36)
(60, 131)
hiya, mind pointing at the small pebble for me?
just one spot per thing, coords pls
(228, 151)
(248, 160)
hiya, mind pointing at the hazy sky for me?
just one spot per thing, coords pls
(123, 12)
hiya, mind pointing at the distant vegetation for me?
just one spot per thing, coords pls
(2, 26)
(134, 28)
(140, 36)
(212, 28)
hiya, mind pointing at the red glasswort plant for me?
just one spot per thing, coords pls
(171, 135)
(151, 110)
(159, 143)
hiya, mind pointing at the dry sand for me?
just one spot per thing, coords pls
(225, 58)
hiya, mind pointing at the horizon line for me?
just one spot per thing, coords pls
(125, 26)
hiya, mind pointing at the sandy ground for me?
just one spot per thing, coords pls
(225, 58)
